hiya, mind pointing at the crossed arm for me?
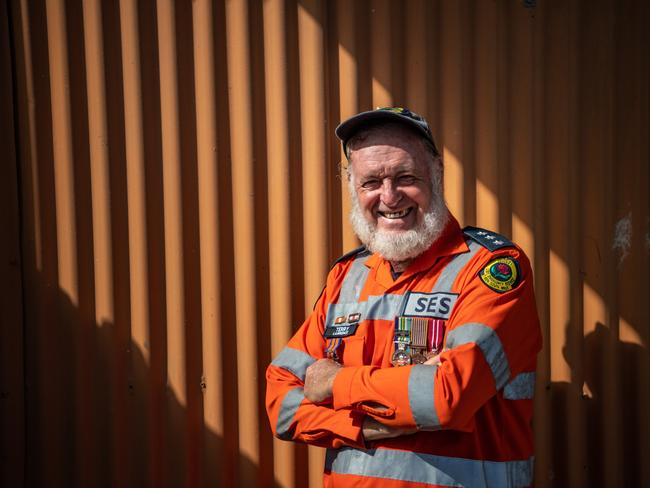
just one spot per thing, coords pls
(319, 383)
(320, 402)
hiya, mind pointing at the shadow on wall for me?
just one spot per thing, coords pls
(96, 414)
(602, 392)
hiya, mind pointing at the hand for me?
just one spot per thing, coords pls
(374, 430)
(433, 360)
(319, 380)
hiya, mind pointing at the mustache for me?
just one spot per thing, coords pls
(400, 246)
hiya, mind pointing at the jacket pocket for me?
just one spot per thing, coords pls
(352, 353)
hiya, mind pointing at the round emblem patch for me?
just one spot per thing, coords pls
(501, 275)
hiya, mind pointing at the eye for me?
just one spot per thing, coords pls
(371, 184)
(406, 180)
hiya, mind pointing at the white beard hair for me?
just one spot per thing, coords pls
(401, 245)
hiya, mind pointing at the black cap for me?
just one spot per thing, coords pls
(354, 124)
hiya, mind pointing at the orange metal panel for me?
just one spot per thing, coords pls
(12, 359)
(179, 208)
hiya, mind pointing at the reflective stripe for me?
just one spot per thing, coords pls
(381, 307)
(421, 391)
(294, 361)
(288, 409)
(354, 280)
(522, 387)
(488, 341)
(426, 468)
(454, 267)
(386, 307)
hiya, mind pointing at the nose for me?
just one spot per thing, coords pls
(390, 195)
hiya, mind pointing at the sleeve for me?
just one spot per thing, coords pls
(492, 336)
(293, 417)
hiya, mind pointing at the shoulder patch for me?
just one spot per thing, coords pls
(501, 274)
(488, 239)
(358, 251)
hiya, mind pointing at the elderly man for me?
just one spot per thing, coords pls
(417, 365)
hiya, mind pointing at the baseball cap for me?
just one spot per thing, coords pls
(354, 124)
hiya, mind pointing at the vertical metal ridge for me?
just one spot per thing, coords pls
(381, 30)
(66, 236)
(348, 83)
(243, 184)
(542, 424)
(278, 137)
(521, 129)
(575, 346)
(311, 26)
(12, 346)
(138, 237)
(487, 103)
(468, 110)
(415, 62)
(172, 192)
(212, 330)
(504, 86)
(114, 467)
(451, 103)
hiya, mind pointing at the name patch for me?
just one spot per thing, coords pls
(435, 305)
(344, 330)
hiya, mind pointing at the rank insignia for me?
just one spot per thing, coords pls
(354, 317)
(501, 275)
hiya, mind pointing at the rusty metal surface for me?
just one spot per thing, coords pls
(172, 202)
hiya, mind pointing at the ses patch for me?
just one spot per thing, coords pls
(501, 275)
(438, 305)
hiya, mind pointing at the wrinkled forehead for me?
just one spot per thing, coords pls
(388, 134)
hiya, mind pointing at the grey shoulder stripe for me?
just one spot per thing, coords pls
(354, 280)
(288, 409)
(521, 387)
(380, 307)
(489, 343)
(421, 393)
(294, 361)
(450, 272)
(415, 467)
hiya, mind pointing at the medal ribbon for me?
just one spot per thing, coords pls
(435, 335)
(332, 346)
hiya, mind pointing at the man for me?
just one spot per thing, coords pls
(416, 366)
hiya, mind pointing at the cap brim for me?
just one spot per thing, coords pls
(354, 124)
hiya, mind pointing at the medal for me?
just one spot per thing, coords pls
(400, 356)
(401, 339)
(416, 339)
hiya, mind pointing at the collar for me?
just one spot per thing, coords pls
(450, 242)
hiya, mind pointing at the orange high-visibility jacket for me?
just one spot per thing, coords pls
(473, 411)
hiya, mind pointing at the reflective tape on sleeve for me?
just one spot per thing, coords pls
(521, 387)
(294, 361)
(421, 394)
(288, 409)
(489, 343)
(414, 467)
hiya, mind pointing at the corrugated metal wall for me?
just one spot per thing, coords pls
(170, 204)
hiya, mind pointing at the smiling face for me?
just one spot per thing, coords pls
(397, 204)
(391, 177)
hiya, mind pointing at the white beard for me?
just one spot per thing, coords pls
(397, 246)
